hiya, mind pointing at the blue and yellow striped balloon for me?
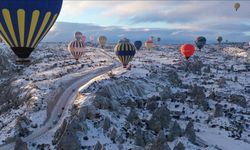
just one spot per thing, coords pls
(125, 51)
(24, 23)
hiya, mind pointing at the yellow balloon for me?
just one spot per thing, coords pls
(149, 44)
(102, 40)
(237, 6)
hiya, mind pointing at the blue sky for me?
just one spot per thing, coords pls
(184, 18)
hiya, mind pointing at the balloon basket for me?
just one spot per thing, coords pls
(129, 67)
(23, 60)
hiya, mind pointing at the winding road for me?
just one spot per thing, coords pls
(65, 101)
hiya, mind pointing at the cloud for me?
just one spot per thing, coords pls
(63, 32)
(180, 19)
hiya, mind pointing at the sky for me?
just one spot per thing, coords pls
(180, 17)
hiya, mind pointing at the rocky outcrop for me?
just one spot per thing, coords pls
(166, 93)
(199, 96)
(160, 143)
(99, 146)
(87, 112)
(221, 82)
(194, 67)
(22, 126)
(139, 138)
(128, 87)
(59, 133)
(175, 131)
(20, 145)
(173, 78)
(159, 120)
(12, 94)
(113, 135)
(218, 112)
(190, 133)
(106, 124)
(6, 61)
(239, 100)
(179, 146)
(69, 139)
(133, 117)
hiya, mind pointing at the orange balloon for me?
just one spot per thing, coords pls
(187, 50)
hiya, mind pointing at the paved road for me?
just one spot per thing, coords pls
(65, 101)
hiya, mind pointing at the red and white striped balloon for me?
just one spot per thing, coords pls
(92, 38)
(76, 49)
(83, 38)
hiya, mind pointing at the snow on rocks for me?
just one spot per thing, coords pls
(163, 102)
(34, 87)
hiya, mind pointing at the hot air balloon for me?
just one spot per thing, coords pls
(76, 48)
(236, 6)
(91, 38)
(200, 42)
(149, 44)
(151, 38)
(219, 39)
(125, 51)
(187, 50)
(138, 44)
(78, 36)
(83, 38)
(102, 40)
(24, 23)
(158, 39)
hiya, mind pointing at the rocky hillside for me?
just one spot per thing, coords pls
(163, 103)
(166, 103)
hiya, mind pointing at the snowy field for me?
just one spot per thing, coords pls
(163, 102)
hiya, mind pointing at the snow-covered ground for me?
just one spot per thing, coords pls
(220, 70)
(129, 109)
(42, 81)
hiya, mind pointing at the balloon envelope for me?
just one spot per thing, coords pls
(149, 44)
(158, 39)
(187, 50)
(24, 23)
(76, 49)
(138, 44)
(91, 38)
(219, 39)
(125, 51)
(102, 40)
(200, 42)
(236, 6)
(83, 38)
(78, 36)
